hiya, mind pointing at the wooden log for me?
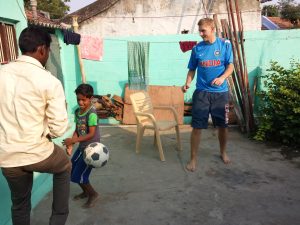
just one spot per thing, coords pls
(242, 86)
(246, 75)
(118, 99)
(233, 82)
(217, 25)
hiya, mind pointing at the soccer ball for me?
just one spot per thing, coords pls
(96, 155)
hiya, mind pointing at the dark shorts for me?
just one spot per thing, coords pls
(80, 170)
(214, 103)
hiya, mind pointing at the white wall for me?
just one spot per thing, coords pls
(155, 17)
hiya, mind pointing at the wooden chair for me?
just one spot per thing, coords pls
(145, 119)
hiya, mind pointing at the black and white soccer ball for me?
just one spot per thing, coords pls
(96, 155)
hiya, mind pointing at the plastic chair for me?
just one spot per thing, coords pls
(145, 119)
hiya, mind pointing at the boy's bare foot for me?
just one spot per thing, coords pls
(91, 201)
(225, 158)
(191, 166)
(80, 196)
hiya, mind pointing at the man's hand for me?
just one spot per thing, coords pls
(218, 81)
(185, 87)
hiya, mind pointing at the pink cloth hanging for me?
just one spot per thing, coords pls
(91, 48)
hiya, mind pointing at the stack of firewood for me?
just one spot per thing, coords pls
(119, 103)
(107, 107)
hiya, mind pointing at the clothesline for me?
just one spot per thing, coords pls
(164, 42)
(171, 16)
(156, 42)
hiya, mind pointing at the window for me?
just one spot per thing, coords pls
(8, 43)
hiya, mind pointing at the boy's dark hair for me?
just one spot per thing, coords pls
(33, 37)
(85, 90)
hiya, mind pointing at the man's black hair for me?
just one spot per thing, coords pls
(33, 37)
(85, 90)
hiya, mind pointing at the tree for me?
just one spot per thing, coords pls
(290, 10)
(56, 8)
(270, 10)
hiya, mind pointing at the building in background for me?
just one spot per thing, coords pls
(111, 18)
(276, 23)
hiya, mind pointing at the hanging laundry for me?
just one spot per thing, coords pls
(91, 48)
(187, 45)
(138, 65)
(71, 38)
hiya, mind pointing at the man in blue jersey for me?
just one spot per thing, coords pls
(213, 60)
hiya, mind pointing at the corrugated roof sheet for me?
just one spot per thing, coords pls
(283, 24)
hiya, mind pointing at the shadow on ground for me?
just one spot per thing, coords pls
(259, 187)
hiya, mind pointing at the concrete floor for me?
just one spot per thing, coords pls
(259, 187)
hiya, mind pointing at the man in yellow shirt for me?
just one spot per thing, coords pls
(32, 111)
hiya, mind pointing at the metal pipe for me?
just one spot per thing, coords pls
(33, 4)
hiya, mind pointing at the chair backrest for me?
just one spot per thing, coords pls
(141, 102)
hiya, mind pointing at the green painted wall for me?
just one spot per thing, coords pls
(13, 12)
(262, 47)
(109, 76)
(167, 64)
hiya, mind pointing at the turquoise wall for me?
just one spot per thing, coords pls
(168, 64)
(263, 47)
(13, 12)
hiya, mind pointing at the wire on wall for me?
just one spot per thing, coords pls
(172, 16)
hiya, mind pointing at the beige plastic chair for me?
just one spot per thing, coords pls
(143, 110)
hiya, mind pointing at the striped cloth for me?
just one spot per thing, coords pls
(138, 65)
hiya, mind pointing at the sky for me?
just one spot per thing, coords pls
(78, 4)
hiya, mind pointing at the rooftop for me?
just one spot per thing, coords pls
(90, 10)
(42, 20)
(282, 23)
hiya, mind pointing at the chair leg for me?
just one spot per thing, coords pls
(154, 139)
(160, 149)
(178, 138)
(139, 135)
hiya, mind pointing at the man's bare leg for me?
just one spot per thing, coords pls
(222, 134)
(195, 142)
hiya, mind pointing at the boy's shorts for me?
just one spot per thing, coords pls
(213, 103)
(80, 170)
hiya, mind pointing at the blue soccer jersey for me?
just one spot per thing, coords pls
(211, 61)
